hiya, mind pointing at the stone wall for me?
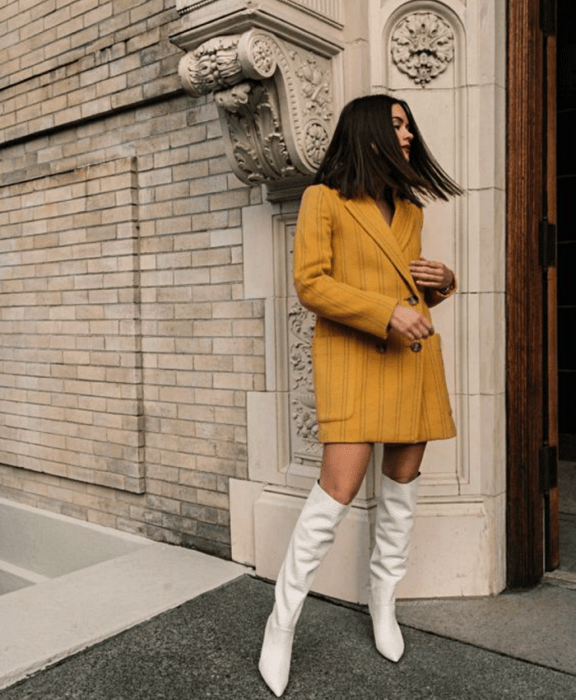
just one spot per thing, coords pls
(126, 348)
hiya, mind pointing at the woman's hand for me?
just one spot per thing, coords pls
(431, 274)
(410, 323)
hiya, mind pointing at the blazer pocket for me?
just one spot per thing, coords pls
(334, 380)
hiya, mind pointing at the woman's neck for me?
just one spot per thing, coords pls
(386, 209)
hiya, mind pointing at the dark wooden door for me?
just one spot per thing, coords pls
(566, 225)
(548, 260)
(532, 502)
(566, 170)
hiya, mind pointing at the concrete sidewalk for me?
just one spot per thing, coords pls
(510, 646)
(45, 623)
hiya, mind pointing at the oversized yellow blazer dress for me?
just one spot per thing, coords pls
(371, 383)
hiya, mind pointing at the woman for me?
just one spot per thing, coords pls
(378, 371)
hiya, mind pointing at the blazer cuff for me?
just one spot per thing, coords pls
(435, 296)
(450, 289)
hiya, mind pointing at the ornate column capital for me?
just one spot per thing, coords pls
(273, 90)
(274, 100)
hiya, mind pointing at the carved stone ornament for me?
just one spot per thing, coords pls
(422, 46)
(274, 101)
(305, 447)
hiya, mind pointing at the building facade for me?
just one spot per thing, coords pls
(155, 372)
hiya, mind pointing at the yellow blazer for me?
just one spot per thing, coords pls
(352, 270)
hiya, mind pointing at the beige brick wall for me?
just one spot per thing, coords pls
(70, 363)
(126, 347)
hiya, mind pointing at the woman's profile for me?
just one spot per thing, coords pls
(378, 370)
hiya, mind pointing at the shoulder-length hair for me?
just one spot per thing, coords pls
(364, 157)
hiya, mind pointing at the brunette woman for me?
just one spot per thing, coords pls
(378, 371)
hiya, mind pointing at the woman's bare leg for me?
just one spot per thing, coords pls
(344, 466)
(342, 472)
(402, 462)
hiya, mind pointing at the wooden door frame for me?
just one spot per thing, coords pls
(524, 289)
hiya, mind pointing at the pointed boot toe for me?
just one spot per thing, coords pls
(387, 634)
(275, 657)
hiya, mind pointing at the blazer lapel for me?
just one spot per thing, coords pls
(403, 225)
(369, 217)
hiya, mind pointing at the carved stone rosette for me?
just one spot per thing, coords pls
(274, 101)
(422, 46)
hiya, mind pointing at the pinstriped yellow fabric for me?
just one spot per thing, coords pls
(352, 270)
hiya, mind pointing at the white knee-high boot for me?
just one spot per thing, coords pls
(312, 537)
(394, 522)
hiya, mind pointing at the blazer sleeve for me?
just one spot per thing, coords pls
(317, 289)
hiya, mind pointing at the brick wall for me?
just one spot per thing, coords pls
(69, 326)
(126, 347)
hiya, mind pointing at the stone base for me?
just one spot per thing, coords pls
(455, 550)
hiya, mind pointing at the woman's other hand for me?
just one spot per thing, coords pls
(431, 274)
(410, 323)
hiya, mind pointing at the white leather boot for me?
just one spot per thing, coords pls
(394, 522)
(310, 542)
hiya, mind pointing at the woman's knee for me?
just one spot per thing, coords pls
(343, 493)
(402, 462)
(343, 468)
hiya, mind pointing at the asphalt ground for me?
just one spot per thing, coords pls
(208, 648)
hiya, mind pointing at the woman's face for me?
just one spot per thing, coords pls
(402, 125)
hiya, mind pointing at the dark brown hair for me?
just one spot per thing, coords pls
(364, 157)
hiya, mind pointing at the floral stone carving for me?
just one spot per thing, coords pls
(304, 426)
(422, 46)
(274, 101)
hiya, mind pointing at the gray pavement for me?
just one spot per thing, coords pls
(208, 648)
(538, 626)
